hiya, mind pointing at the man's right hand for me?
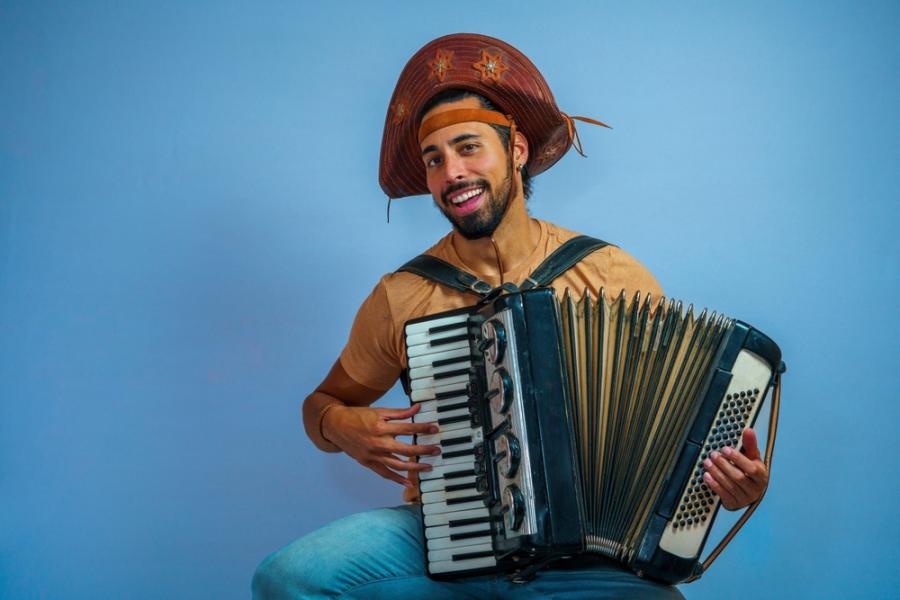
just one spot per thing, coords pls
(369, 436)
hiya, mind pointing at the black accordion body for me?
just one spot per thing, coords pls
(578, 426)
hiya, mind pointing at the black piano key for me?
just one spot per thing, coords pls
(450, 361)
(458, 474)
(452, 394)
(449, 374)
(465, 439)
(448, 340)
(448, 327)
(457, 419)
(459, 486)
(447, 407)
(464, 499)
(457, 453)
(469, 535)
(471, 521)
(469, 555)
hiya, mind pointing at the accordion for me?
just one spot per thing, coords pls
(579, 426)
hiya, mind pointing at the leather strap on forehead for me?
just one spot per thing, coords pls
(462, 115)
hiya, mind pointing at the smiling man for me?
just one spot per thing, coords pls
(470, 122)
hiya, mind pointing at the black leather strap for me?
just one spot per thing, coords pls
(431, 267)
(561, 260)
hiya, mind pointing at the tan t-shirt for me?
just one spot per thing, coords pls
(375, 353)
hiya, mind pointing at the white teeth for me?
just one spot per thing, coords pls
(466, 195)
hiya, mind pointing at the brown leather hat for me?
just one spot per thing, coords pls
(486, 66)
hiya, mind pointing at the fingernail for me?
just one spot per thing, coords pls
(707, 463)
(436, 451)
(433, 429)
(714, 455)
(727, 450)
(429, 467)
(707, 478)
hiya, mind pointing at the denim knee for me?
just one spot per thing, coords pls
(349, 552)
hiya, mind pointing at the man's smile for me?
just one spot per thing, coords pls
(465, 201)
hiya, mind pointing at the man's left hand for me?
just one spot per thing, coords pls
(739, 478)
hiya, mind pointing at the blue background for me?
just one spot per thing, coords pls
(190, 216)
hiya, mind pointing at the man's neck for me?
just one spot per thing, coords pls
(514, 239)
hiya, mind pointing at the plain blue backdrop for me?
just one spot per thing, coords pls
(190, 216)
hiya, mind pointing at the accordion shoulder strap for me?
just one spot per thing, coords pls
(562, 259)
(435, 269)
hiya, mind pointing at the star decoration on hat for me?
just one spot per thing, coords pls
(401, 110)
(440, 64)
(491, 66)
(551, 151)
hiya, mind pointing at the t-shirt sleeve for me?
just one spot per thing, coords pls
(370, 356)
(631, 275)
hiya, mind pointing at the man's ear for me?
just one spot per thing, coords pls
(520, 149)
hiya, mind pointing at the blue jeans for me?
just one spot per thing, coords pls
(379, 554)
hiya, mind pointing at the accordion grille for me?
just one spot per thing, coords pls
(635, 372)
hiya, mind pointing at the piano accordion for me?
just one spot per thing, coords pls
(579, 426)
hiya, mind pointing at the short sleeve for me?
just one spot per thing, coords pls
(370, 356)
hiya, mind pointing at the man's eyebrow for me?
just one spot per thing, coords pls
(460, 138)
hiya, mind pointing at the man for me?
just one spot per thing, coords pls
(470, 122)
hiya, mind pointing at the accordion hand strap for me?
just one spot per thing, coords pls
(770, 446)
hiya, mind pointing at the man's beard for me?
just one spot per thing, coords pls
(485, 220)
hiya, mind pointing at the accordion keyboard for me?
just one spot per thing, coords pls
(454, 497)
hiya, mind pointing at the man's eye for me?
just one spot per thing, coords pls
(470, 147)
(433, 161)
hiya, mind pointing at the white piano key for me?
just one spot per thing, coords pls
(441, 519)
(423, 326)
(438, 484)
(443, 507)
(427, 338)
(451, 566)
(434, 405)
(445, 543)
(434, 416)
(436, 438)
(442, 496)
(440, 460)
(430, 371)
(440, 471)
(441, 555)
(440, 531)
(424, 349)
(429, 394)
(431, 382)
(421, 361)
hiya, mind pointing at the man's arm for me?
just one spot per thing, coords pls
(337, 418)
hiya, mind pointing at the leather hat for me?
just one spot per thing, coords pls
(486, 66)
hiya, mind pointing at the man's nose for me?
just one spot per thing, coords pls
(454, 168)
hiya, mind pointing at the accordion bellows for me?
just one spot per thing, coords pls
(579, 426)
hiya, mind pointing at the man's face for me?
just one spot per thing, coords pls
(468, 173)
